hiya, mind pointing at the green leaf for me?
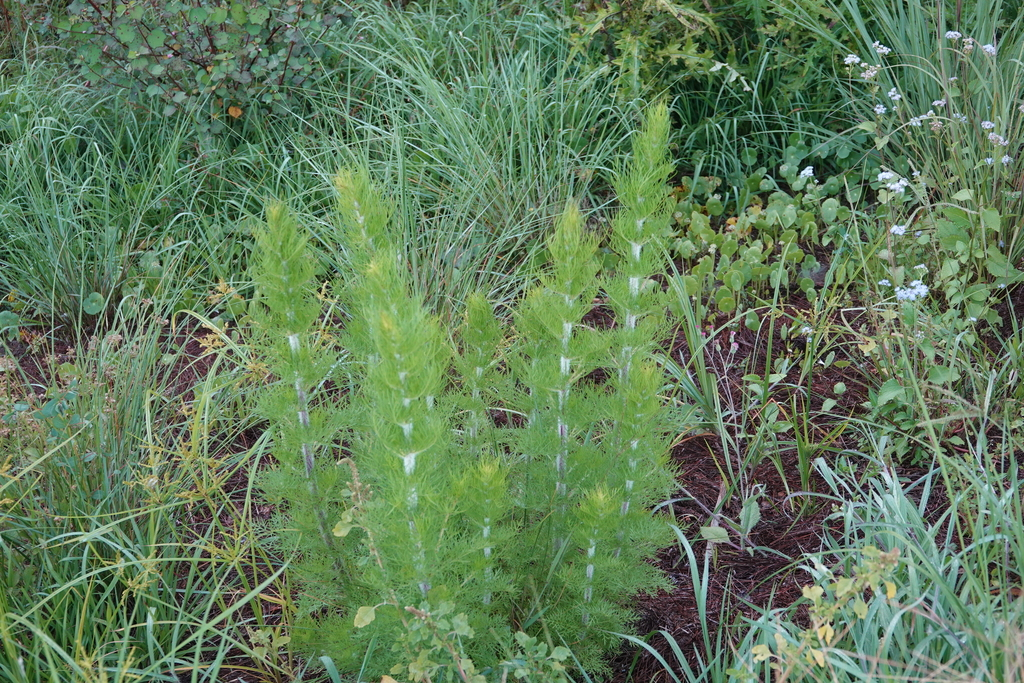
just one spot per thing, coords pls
(891, 391)
(750, 515)
(156, 38)
(990, 219)
(93, 304)
(963, 196)
(126, 34)
(829, 209)
(714, 534)
(238, 14)
(365, 616)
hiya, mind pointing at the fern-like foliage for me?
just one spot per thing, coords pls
(520, 523)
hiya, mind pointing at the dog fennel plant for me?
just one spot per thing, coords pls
(541, 526)
(288, 335)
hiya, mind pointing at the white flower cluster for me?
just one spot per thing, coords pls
(939, 103)
(997, 139)
(1007, 160)
(870, 70)
(808, 173)
(954, 35)
(916, 290)
(989, 49)
(880, 109)
(893, 183)
(898, 230)
(988, 125)
(960, 117)
(894, 95)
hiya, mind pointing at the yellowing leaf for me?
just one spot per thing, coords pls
(813, 592)
(761, 652)
(860, 608)
(819, 657)
(826, 633)
(890, 590)
(234, 112)
(342, 528)
(365, 616)
(868, 346)
(387, 679)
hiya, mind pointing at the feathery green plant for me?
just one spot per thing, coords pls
(448, 512)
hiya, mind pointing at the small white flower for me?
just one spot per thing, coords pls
(916, 121)
(916, 174)
(914, 291)
(898, 186)
(1021, 109)
(884, 283)
(960, 117)
(869, 72)
(851, 59)
(881, 49)
(806, 330)
(969, 44)
(918, 233)
(898, 229)
(894, 95)
(989, 49)
(807, 172)
(920, 266)
(989, 160)
(954, 35)
(939, 103)
(988, 125)
(935, 124)
(997, 139)
(954, 79)
(886, 175)
(880, 109)
(1007, 160)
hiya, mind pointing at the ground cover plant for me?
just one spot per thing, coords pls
(488, 341)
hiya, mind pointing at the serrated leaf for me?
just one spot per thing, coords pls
(365, 616)
(891, 391)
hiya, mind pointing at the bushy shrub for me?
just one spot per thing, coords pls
(240, 54)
